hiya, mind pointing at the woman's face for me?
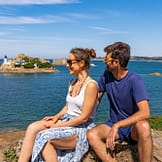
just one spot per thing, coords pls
(73, 65)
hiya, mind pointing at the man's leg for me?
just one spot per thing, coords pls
(142, 133)
(97, 137)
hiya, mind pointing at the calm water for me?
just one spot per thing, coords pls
(28, 97)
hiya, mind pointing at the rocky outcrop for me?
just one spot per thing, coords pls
(123, 151)
(155, 74)
(127, 153)
(6, 69)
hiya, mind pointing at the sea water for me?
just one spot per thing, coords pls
(25, 98)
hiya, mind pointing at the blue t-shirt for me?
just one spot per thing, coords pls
(123, 94)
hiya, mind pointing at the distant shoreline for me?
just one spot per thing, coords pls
(135, 59)
(23, 70)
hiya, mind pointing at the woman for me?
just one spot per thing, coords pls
(71, 123)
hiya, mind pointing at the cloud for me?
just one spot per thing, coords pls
(32, 20)
(3, 33)
(8, 20)
(99, 28)
(107, 30)
(36, 2)
(82, 16)
(19, 29)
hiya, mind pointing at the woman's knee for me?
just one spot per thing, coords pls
(31, 126)
(34, 127)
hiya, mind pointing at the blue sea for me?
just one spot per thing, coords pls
(25, 98)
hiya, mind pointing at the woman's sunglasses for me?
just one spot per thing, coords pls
(70, 62)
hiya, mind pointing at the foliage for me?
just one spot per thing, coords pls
(17, 65)
(26, 59)
(45, 65)
(29, 65)
(33, 62)
(10, 155)
(156, 122)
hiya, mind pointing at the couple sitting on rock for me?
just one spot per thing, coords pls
(67, 135)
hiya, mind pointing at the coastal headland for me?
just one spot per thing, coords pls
(26, 64)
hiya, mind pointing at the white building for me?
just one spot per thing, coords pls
(6, 61)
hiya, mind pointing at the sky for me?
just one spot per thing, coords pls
(51, 28)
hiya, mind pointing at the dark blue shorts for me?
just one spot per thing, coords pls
(124, 133)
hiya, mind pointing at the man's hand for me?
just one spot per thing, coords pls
(110, 141)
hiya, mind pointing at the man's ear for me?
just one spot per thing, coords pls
(116, 61)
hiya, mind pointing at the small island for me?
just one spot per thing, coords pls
(26, 64)
(155, 74)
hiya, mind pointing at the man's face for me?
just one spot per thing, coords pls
(109, 62)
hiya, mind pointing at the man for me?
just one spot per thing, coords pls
(129, 107)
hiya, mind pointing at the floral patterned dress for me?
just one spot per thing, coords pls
(74, 155)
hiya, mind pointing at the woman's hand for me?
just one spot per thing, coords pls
(50, 121)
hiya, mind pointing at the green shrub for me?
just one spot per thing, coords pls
(26, 59)
(45, 65)
(156, 122)
(29, 65)
(17, 65)
(10, 155)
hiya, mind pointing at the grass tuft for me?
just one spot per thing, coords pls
(156, 122)
(10, 155)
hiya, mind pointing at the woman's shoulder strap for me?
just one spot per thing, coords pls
(91, 80)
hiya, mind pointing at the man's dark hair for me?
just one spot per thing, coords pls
(120, 51)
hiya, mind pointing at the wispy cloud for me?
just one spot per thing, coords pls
(99, 28)
(82, 16)
(3, 33)
(107, 30)
(32, 20)
(36, 2)
(44, 39)
(19, 29)
(44, 19)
